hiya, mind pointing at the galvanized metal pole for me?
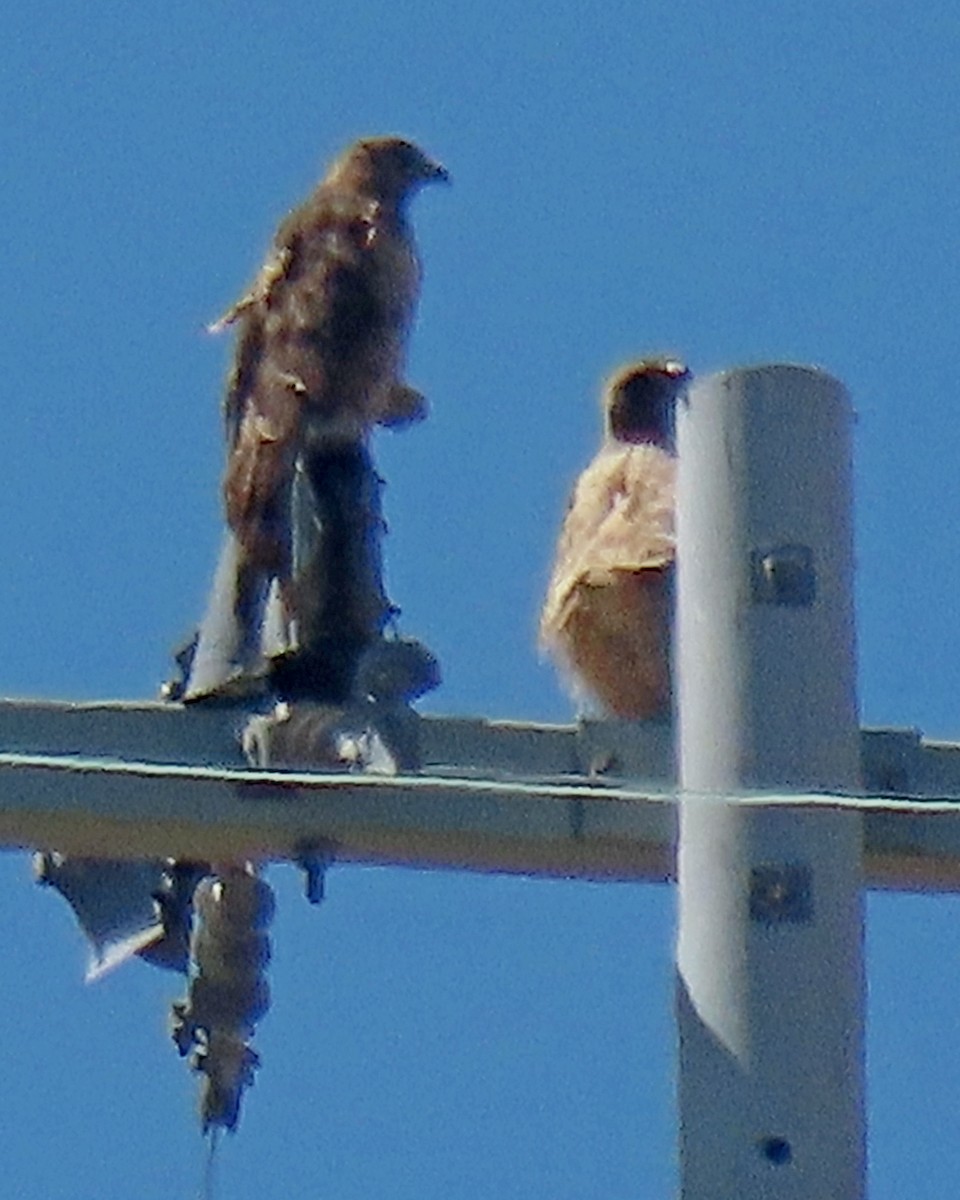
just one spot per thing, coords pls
(770, 975)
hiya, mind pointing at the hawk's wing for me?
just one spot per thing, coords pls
(274, 268)
(314, 301)
(250, 307)
(326, 237)
(620, 519)
(608, 613)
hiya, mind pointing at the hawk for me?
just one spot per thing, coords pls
(608, 613)
(321, 342)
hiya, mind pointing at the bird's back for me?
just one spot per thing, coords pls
(608, 610)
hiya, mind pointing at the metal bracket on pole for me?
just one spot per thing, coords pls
(769, 959)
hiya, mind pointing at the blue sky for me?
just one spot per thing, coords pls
(735, 184)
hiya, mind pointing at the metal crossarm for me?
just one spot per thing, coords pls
(494, 796)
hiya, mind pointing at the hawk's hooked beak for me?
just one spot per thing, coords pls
(433, 172)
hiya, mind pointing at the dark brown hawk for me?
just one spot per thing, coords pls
(322, 336)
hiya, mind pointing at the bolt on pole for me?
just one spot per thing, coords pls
(770, 990)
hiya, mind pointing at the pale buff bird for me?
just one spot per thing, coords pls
(608, 614)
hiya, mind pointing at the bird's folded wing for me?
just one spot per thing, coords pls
(315, 286)
(621, 518)
(273, 269)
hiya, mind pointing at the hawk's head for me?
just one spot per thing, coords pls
(640, 401)
(389, 167)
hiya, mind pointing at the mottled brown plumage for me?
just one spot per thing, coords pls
(608, 611)
(322, 337)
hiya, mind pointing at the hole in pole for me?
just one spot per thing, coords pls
(776, 1150)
